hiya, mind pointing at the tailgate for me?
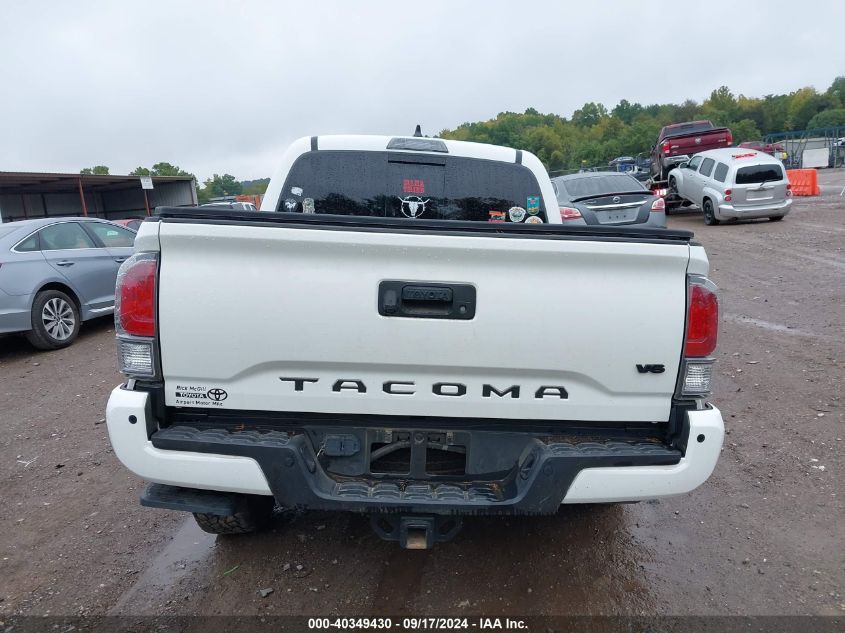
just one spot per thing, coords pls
(277, 317)
(690, 144)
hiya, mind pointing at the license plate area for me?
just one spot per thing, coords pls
(615, 217)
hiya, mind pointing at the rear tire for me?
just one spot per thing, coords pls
(776, 218)
(254, 514)
(673, 186)
(709, 214)
(55, 320)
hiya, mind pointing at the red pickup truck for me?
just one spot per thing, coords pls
(679, 141)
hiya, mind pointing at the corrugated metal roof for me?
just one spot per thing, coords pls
(34, 182)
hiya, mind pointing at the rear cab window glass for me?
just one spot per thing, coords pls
(756, 174)
(65, 236)
(706, 166)
(411, 185)
(721, 172)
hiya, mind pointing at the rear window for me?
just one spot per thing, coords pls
(597, 186)
(721, 172)
(755, 174)
(397, 185)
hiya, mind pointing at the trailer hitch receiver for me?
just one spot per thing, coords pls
(416, 531)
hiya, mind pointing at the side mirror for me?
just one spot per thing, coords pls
(684, 166)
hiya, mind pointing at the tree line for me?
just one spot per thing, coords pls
(593, 135)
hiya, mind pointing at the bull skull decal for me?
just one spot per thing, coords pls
(413, 206)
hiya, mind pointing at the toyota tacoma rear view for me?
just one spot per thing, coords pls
(408, 330)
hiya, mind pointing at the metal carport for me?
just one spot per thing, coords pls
(36, 195)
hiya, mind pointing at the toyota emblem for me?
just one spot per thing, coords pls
(217, 394)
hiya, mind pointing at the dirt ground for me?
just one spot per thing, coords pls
(763, 536)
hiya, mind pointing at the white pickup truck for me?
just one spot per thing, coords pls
(406, 329)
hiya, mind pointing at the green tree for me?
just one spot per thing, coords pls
(225, 185)
(828, 118)
(589, 114)
(97, 170)
(160, 169)
(745, 130)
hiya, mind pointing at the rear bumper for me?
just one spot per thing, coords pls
(284, 466)
(15, 313)
(729, 212)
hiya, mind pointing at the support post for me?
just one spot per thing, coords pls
(147, 203)
(82, 198)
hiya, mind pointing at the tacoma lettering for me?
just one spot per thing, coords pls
(448, 389)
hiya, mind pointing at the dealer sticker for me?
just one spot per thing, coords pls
(199, 396)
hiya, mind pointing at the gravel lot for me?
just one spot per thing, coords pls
(763, 536)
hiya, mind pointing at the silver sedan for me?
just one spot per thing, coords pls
(56, 273)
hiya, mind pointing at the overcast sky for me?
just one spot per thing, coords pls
(224, 86)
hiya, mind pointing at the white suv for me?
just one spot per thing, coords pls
(734, 183)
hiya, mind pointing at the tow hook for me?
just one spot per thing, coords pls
(415, 531)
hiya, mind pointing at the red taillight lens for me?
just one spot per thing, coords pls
(666, 148)
(702, 319)
(728, 193)
(568, 213)
(730, 138)
(135, 296)
(658, 205)
(788, 189)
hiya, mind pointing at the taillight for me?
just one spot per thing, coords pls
(788, 189)
(728, 193)
(658, 205)
(568, 213)
(702, 318)
(135, 315)
(700, 341)
(730, 138)
(666, 148)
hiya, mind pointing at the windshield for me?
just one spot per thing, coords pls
(597, 185)
(756, 174)
(396, 185)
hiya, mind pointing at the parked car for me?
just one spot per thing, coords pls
(240, 206)
(130, 223)
(56, 273)
(774, 149)
(676, 143)
(492, 367)
(733, 184)
(607, 198)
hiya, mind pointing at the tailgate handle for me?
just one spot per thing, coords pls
(411, 299)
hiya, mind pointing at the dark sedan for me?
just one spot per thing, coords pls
(608, 198)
